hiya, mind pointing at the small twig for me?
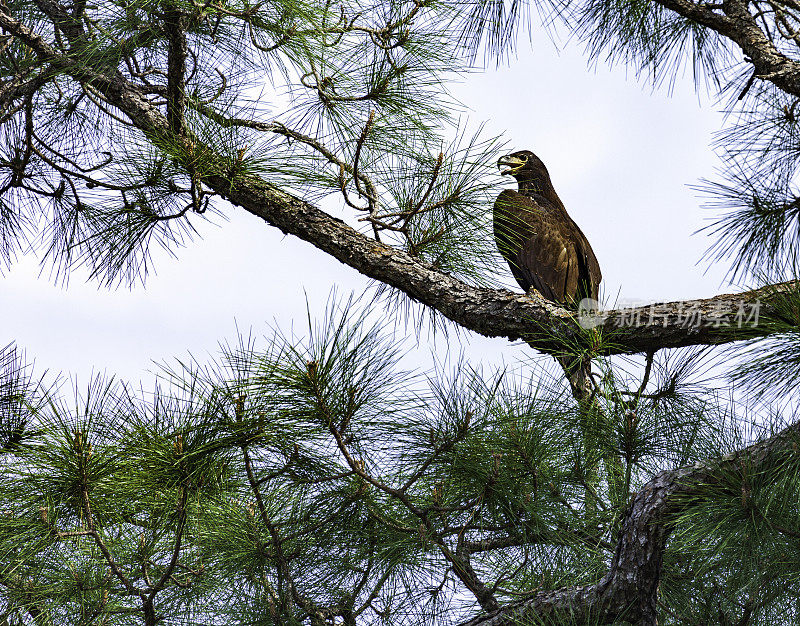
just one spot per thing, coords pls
(647, 368)
(176, 550)
(431, 183)
(283, 39)
(359, 145)
(277, 541)
(220, 90)
(343, 189)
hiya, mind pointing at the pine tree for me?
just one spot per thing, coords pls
(312, 480)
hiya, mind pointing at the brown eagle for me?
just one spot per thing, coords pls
(536, 236)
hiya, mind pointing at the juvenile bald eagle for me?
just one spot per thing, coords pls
(543, 246)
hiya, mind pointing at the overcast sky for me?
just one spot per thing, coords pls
(621, 157)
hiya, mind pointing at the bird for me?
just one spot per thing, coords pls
(544, 248)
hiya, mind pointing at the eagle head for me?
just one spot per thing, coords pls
(522, 164)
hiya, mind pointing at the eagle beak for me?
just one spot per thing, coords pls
(509, 164)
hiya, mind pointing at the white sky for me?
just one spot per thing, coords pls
(620, 156)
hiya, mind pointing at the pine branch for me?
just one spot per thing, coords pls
(175, 25)
(629, 589)
(733, 20)
(489, 312)
(498, 312)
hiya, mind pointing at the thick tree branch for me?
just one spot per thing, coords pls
(498, 312)
(489, 312)
(629, 589)
(737, 24)
(175, 26)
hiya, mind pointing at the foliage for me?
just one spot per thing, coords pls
(313, 474)
(312, 480)
(366, 117)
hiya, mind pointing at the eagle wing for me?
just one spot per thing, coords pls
(590, 274)
(544, 248)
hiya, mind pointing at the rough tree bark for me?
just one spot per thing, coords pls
(630, 586)
(489, 312)
(629, 589)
